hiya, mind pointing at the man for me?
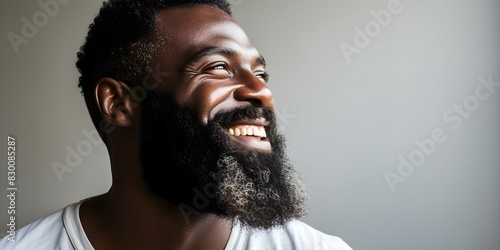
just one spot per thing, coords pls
(179, 95)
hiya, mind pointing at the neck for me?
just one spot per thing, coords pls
(112, 223)
(130, 216)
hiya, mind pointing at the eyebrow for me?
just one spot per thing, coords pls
(210, 51)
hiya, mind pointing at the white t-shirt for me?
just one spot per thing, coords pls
(63, 230)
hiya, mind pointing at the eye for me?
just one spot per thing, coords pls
(262, 75)
(218, 70)
(220, 67)
(217, 66)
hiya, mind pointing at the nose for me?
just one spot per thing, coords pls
(255, 91)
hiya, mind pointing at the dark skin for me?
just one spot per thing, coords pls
(212, 66)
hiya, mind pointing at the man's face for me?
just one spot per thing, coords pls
(215, 67)
(210, 128)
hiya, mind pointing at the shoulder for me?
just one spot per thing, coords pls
(304, 235)
(295, 235)
(45, 233)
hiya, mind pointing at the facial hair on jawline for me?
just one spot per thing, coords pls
(182, 158)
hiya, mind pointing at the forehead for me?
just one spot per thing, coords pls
(192, 29)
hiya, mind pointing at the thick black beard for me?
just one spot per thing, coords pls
(200, 170)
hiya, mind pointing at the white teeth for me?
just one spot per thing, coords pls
(247, 130)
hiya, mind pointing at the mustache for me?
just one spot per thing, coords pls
(226, 117)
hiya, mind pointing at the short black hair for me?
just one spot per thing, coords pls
(121, 42)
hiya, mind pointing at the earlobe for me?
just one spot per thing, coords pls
(113, 99)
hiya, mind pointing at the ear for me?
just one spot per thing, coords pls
(114, 101)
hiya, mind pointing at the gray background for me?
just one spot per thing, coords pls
(346, 123)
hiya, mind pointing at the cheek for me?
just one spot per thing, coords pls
(208, 99)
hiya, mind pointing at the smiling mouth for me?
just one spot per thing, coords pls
(248, 130)
(250, 134)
